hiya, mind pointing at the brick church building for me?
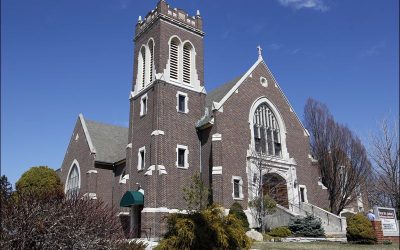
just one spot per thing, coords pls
(177, 129)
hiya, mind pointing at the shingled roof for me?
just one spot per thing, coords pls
(215, 96)
(109, 141)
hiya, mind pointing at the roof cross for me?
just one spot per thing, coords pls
(259, 51)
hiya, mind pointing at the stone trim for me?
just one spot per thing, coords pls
(217, 170)
(163, 210)
(86, 131)
(150, 170)
(91, 196)
(216, 137)
(158, 132)
(233, 89)
(161, 170)
(92, 172)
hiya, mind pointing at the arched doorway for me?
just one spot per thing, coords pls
(275, 186)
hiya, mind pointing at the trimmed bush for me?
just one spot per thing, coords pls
(237, 210)
(206, 229)
(281, 232)
(308, 226)
(131, 245)
(359, 230)
(40, 182)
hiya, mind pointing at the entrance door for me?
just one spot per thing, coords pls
(136, 219)
(275, 186)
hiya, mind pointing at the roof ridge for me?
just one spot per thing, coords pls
(106, 124)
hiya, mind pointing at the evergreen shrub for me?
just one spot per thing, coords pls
(281, 232)
(308, 226)
(237, 210)
(205, 229)
(359, 230)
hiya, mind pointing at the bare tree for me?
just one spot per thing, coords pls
(341, 156)
(385, 155)
(58, 223)
(266, 188)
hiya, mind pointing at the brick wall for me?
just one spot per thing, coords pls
(233, 124)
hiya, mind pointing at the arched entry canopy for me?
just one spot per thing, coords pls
(132, 198)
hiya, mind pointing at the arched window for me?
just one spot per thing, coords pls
(143, 64)
(174, 58)
(73, 181)
(151, 61)
(187, 61)
(267, 139)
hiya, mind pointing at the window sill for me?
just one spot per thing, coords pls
(182, 167)
(238, 198)
(140, 170)
(183, 112)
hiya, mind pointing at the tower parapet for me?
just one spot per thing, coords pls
(174, 15)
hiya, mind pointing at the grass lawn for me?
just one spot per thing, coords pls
(318, 245)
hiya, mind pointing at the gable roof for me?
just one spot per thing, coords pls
(108, 142)
(225, 91)
(217, 94)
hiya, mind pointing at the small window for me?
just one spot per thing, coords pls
(143, 105)
(255, 179)
(264, 81)
(237, 183)
(141, 158)
(182, 156)
(182, 102)
(302, 194)
(236, 187)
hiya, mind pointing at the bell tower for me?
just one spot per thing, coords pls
(166, 101)
(169, 47)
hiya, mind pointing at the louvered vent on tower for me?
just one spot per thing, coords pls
(151, 48)
(186, 62)
(174, 59)
(143, 52)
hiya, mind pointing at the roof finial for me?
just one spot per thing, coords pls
(198, 13)
(259, 52)
(140, 19)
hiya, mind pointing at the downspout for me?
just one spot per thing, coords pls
(200, 140)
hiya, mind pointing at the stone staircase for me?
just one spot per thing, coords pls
(331, 222)
(334, 225)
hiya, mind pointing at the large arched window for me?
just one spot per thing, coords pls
(73, 181)
(267, 139)
(187, 62)
(174, 58)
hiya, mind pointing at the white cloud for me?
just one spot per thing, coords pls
(305, 4)
(374, 49)
(275, 46)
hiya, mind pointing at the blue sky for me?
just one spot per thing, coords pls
(61, 58)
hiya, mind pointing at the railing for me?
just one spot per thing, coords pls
(327, 218)
(138, 232)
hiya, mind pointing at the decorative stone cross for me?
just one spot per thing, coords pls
(259, 51)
